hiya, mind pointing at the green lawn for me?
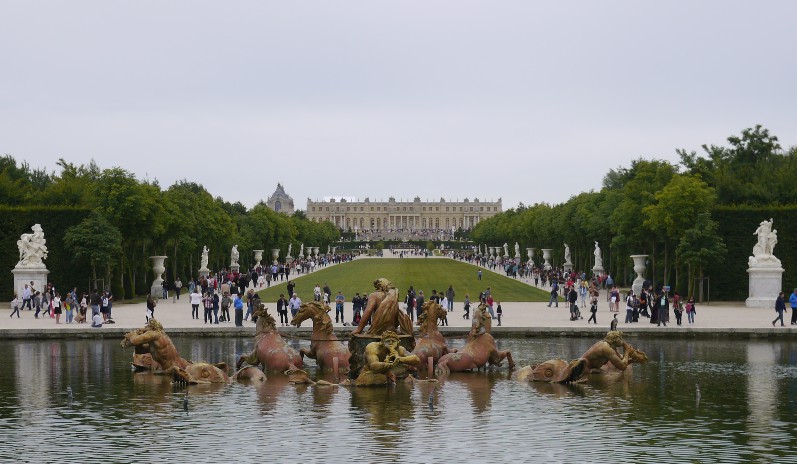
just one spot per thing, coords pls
(422, 274)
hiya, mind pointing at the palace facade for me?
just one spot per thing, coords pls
(398, 215)
(280, 201)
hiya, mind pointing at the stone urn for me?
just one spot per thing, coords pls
(315, 252)
(639, 268)
(275, 254)
(530, 253)
(546, 257)
(258, 256)
(158, 268)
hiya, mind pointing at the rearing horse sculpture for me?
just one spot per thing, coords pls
(270, 349)
(324, 345)
(479, 349)
(430, 340)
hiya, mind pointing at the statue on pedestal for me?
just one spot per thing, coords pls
(301, 251)
(234, 255)
(765, 245)
(567, 254)
(517, 251)
(598, 259)
(204, 261)
(32, 248)
(506, 249)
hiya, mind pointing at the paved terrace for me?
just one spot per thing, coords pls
(521, 319)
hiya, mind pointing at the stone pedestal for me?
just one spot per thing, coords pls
(258, 256)
(357, 344)
(639, 268)
(25, 275)
(567, 266)
(204, 273)
(158, 268)
(235, 268)
(546, 256)
(765, 284)
(598, 270)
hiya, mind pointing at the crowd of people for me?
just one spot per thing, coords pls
(51, 303)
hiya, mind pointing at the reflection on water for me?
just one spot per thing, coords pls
(746, 413)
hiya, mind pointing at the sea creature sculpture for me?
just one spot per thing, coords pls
(430, 341)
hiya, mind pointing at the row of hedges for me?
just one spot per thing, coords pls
(65, 272)
(737, 227)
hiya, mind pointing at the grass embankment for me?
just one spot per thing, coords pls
(423, 274)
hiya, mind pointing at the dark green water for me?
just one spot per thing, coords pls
(747, 410)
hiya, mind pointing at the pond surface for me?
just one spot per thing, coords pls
(746, 411)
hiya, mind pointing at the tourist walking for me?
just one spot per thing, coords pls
(691, 311)
(629, 307)
(69, 306)
(27, 294)
(207, 306)
(467, 307)
(780, 307)
(593, 308)
(178, 286)
(15, 304)
(663, 309)
(554, 295)
(793, 303)
(294, 303)
(500, 312)
(450, 298)
(677, 307)
(57, 307)
(225, 304)
(196, 300)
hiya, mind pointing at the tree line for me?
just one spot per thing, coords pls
(125, 220)
(661, 209)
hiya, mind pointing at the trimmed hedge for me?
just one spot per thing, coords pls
(737, 225)
(65, 272)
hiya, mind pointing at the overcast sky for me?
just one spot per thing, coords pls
(527, 101)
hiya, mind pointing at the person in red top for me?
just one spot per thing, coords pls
(490, 305)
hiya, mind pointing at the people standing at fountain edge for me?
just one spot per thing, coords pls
(490, 305)
(499, 312)
(780, 306)
(450, 297)
(238, 303)
(793, 303)
(663, 308)
(151, 303)
(294, 303)
(677, 307)
(26, 296)
(96, 321)
(196, 299)
(15, 305)
(96, 301)
(282, 310)
(467, 307)
(419, 301)
(572, 299)
(613, 325)
(339, 300)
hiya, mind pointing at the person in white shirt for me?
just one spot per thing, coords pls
(196, 299)
(96, 321)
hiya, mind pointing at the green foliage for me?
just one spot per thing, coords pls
(96, 241)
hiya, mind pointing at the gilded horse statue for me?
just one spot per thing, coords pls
(270, 349)
(324, 345)
(152, 340)
(430, 341)
(479, 349)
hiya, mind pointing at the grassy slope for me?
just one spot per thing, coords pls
(423, 274)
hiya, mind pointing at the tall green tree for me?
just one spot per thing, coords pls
(97, 241)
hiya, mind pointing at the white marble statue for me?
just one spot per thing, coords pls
(506, 249)
(301, 251)
(598, 259)
(567, 253)
(204, 261)
(32, 248)
(234, 255)
(329, 249)
(290, 245)
(763, 250)
(517, 250)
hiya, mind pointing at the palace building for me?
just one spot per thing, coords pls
(280, 201)
(349, 214)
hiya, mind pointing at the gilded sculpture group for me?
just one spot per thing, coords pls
(375, 355)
